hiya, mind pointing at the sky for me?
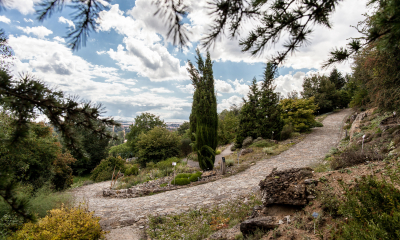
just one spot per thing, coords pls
(130, 66)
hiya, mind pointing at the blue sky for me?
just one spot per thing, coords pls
(130, 66)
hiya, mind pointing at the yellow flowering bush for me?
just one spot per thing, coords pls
(64, 223)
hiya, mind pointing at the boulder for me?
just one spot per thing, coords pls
(266, 223)
(247, 142)
(246, 151)
(356, 125)
(287, 187)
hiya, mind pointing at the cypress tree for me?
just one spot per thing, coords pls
(269, 113)
(204, 118)
(248, 124)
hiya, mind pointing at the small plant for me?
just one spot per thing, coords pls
(269, 150)
(134, 170)
(229, 162)
(217, 152)
(263, 143)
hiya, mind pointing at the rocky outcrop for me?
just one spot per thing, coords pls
(389, 122)
(356, 125)
(265, 223)
(287, 187)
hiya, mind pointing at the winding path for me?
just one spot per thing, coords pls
(125, 217)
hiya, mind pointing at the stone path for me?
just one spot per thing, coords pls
(130, 214)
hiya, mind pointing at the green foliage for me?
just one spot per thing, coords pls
(180, 181)
(260, 115)
(286, 132)
(105, 169)
(156, 145)
(95, 148)
(122, 150)
(134, 170)
(143, 124)
(183, 127)
(204, 118)
(166, 165)
(186, 147)
(228, 122)
(263, 143)
(63, 223)
(372, 209)
(298, 113)
(195, 177)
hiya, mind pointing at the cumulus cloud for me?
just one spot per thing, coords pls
(67, 21)
(28, 20)
(23, 6)
(228, 102)
(290, 82)
(186, 88)
(161, 90)
(223, 86)
(40, 32)
(58, 39)
(142, 50)
(4, 19)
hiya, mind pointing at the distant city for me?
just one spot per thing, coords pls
(172, 126)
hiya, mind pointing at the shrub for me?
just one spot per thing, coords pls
(294, 134)
(193, 156)
(122, 150)
(217, 152)
(104, 170)
(372, 209)
(63, 178)
(195, 177)
(286, 131)
(353, 157)
(229, 162)
(64, 223)
(134, 170)
(319, 124)
(269, 150)
(183, 175)
(186, 148)
(263, 143)
(180, 181)
(299, 113)
(156, 145)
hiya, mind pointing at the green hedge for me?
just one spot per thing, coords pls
(186, 178)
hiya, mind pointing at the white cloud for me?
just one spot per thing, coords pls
(242, 89)
(56, 65)
(289, 82)
(161, 90)
(67, 21)
(4, 19)
(40, 31)
(227, 103)
(101, 52)
(28, 20)
(142, 51)
(57, 38)
(23, 6)
(223, 87)
(186, 88)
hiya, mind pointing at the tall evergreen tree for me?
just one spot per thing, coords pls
(204, 118)
(269, 112)
(248, 124)
(337, 78)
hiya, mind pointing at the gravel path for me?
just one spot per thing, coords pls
(126, 217)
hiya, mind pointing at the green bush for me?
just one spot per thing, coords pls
(229, 162)
(286, 131)
(104, 170)
(195, 177)
(134, 170)
(217, 152)
(299, 113)
(180, 181)
(64, 223)
(156, 145)
(319, 124)
(122, 150)
(186, 148)
(372, 209)
(263, 143)
(183, 175)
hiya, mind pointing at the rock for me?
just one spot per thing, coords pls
(356, 126)
(208, 174)
(266, 223)
(247, 142)
(246, 151)
(228, 234)
(286, 187)
(258, 139)
(310, 181)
